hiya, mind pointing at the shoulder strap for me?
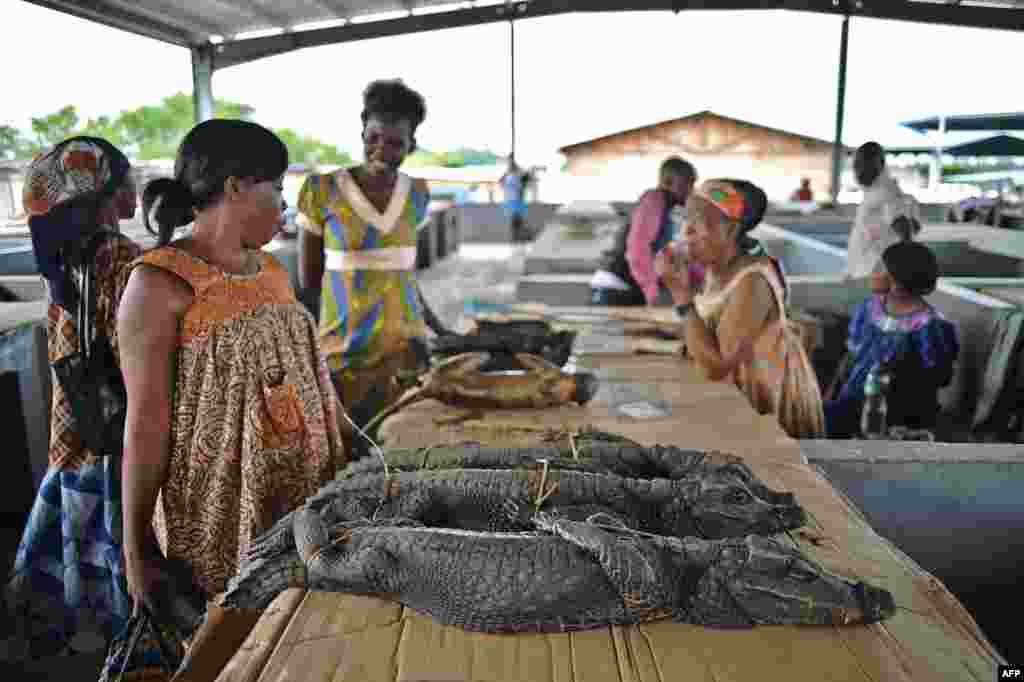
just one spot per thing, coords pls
(87, 302)
(195, 272)
(768, 271)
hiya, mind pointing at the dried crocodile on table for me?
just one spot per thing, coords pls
(459, 381)
(572, 576)
(503, 340)
(587, 454)
(710, 505)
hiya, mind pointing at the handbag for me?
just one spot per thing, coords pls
(148, 652)
(90, 378)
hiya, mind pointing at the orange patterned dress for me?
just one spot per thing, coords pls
(254, 428)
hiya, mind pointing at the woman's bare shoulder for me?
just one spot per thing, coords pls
(151, 285)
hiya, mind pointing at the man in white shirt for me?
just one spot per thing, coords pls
(884, 201)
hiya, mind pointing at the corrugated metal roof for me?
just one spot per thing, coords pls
(284, 25)
(993, 122)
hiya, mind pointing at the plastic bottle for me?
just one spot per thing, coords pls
(874, 422)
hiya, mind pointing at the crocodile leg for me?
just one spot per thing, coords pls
(327, 559)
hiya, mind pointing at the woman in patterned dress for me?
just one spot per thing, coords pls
(68, 567)
(739, 332)
(232, 419)
(359, 246)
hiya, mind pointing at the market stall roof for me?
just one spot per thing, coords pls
(245, 30)
(997, 145)
(994, 122)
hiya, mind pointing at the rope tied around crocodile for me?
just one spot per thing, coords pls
(544, 493)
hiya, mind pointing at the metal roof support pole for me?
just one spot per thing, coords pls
(202, 82)
(837, 147)
(935, 177)
(512, 82)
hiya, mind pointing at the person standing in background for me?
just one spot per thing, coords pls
(513, 186)
(69, 566)
(358, 245)
(804, 192)
(627, 275)
(872, 232)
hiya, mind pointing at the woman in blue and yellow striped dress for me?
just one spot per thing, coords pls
(359, 247)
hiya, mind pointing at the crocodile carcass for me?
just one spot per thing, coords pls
(585, 454)
(715, 504)
(503, 340)
(562, 576)
(459, 381)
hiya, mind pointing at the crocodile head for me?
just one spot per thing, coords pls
(726, 505)
(757, 581)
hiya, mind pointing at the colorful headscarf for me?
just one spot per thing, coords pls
(64, 189)
(740, 201)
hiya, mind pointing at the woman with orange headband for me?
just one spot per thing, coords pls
(739, 331)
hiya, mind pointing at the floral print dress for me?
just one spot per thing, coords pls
(254, 428)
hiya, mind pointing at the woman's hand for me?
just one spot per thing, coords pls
(144, 577)
(673, 274)
(664, 268)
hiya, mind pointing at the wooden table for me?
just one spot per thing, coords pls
(317, 636)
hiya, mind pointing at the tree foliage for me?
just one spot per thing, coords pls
(311, 151)
(13, 144)
(153, 131)
(456, 158)
(52, 128)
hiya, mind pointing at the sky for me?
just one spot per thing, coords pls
(578, 76)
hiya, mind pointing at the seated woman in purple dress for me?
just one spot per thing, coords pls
(898, 328)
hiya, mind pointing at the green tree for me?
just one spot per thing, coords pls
(13, 144)
(103, 126)
(311, 151)
(154, 131)
(55, 127)
(456, 158)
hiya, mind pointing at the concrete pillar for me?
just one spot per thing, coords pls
(202, 82)
(936, 166)
(837, 147)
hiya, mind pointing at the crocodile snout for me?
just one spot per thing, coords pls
(877, 604)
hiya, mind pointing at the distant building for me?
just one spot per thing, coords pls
(465, 184)
(717, 145)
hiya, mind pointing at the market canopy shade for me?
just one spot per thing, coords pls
(286, 25)
(998, 145)
(1009, 121)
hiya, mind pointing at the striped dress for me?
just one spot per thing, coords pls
(369, 304)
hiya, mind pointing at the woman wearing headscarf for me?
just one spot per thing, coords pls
(358, 245)
(69, 567)
(739, 331)
(898, 328)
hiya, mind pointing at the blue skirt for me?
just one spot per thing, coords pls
(69, 563)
